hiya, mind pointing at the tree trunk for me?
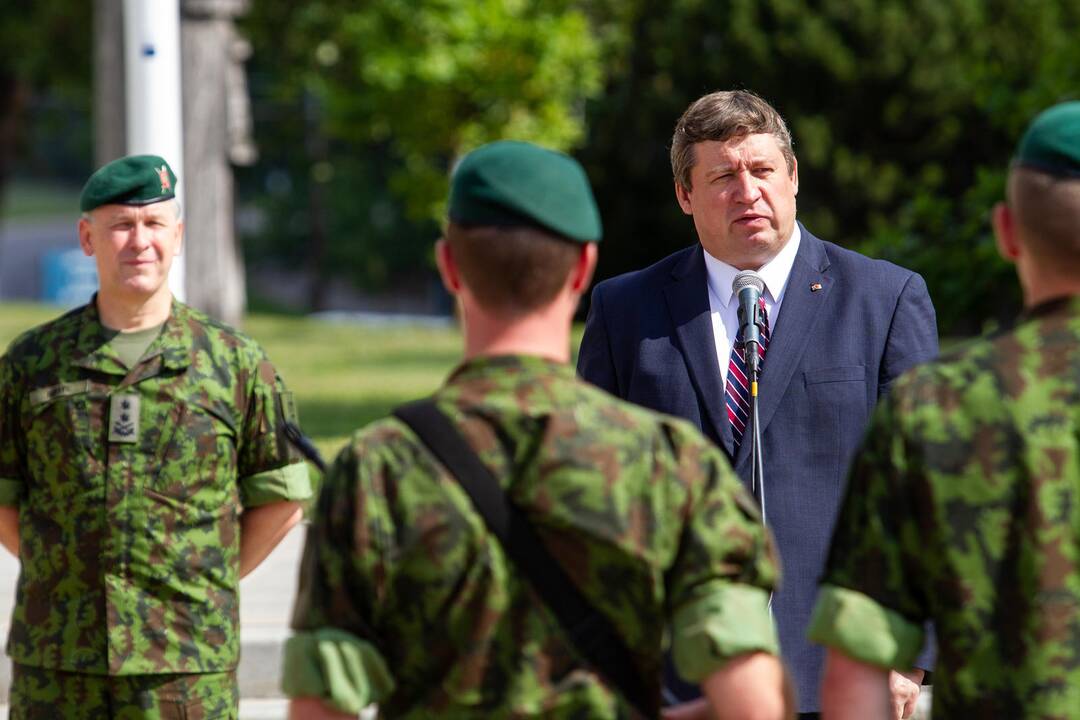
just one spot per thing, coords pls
(12, 100)
(215, 117)
(110, 121)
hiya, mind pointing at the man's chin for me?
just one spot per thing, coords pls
(140, 288)
(759, 248)
(759, 238)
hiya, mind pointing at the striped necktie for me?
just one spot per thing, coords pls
(737, 388)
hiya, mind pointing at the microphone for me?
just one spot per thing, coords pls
(748, 286)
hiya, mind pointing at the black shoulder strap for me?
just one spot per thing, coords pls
(589, 631)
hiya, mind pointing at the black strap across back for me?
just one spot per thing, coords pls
(590, 632)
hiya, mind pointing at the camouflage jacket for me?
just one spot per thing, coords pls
(129, 486)
(964, 508)
(406, 599)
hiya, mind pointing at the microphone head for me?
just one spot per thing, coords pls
(745, 279)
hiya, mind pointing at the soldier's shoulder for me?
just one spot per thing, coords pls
(30, 344)
(610, 420)
(956, 365)
(964, 360)
(637, 422)
(970, 381)
(217, 333)
(210, 325)
(377, 456)
(385, 436)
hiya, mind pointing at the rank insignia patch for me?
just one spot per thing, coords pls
(124, 419)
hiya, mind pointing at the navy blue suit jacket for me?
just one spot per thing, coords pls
(832, 353)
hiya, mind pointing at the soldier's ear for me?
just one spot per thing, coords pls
(448, 270)
(84, 237)
(581, 275)
(179, 237)
(1005, 232)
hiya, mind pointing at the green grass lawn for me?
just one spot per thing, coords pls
(29, 200)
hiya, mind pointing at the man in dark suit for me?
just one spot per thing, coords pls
(842, 327)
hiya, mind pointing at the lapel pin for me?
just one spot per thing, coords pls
(814, 287)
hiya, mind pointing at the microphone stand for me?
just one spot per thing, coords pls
(753, 367)
(757, 462)
(757, 481)
(748, 286)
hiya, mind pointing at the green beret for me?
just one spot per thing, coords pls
(132, 180)
(510, 183)
(1052, 142)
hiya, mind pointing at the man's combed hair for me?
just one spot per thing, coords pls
(1048, 209)
(512, 269)
(721, 116)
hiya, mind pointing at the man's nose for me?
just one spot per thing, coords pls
(140, 236)
(746, 188)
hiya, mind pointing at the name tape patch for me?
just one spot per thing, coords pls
(47, 394)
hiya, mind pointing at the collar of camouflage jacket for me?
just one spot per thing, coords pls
(513, 364)
(1070, 304)
(174, 345)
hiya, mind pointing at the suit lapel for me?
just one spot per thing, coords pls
(794, 329)
(687, 297)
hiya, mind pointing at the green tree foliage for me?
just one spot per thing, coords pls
(44, 49)
(437, 78)
(386, 94)
(46, 41)
(904, 115)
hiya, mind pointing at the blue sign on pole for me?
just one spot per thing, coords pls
(70, 278)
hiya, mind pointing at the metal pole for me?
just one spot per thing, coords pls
(154, 104)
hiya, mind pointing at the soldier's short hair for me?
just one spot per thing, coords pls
(722, 116)
(512, 269)
(1047, 208)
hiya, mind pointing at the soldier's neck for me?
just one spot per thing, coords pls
(543, 334)
(128, 313)
(1049, 288)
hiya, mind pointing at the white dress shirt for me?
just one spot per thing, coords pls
(724, 306)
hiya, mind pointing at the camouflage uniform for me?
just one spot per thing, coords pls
(407, 600)
(50, 694)
(964, 508)
(129, 486)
